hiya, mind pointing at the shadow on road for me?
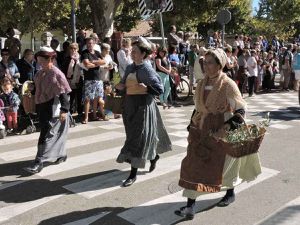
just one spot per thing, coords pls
(38, 188)
(284, 114)
(141, 214)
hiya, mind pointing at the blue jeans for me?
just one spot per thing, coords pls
(165, 79)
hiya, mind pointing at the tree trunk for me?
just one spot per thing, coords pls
(103, 12)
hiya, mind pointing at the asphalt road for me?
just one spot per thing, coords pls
(87, 188)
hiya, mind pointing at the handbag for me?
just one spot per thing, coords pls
(114, 103)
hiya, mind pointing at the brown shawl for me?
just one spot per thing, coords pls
(49, 84)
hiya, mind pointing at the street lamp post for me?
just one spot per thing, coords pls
(73, 21)
(162, 30)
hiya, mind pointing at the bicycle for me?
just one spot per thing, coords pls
(181, 83)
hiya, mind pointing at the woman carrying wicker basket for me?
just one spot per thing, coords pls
(207, 168)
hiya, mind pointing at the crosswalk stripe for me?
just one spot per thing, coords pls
(31, 151)
(81, 161)
(177, 120)
(35, 136)
(102, 184)
(181, 134)
(4, 185)
(161, 210)
(181, 142)
(175, 110)
(11, 211)
(175, 115)
(111, 126)
(178, 126)
(289, 210)
(89, 220)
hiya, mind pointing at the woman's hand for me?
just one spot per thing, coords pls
(63, 116)
(120, 86)
(142, 86)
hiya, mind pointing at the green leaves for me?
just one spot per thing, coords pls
(197, 15)
(31, 15)
(278, 17)
(245, 132)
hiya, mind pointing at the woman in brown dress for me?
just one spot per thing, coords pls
(207, 168)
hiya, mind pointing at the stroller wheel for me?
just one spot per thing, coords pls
(34, 128)
(30, 129)
(2, 134)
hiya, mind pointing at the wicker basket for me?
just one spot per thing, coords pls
(248, 147)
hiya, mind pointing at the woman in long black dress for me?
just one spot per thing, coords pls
(146, 136)
(52, 105)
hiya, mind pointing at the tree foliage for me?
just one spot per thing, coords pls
(127, 15)
(191, 15)
(278, 17)
(31, 15)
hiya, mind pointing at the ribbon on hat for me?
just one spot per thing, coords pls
(144, 41)
(46, 49)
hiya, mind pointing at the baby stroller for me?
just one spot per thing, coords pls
(2, 119)
(28, 117)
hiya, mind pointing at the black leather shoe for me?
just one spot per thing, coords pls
(226, 200)
(36, 168)
(60, 160)
(129, 182)
(153, 163)
(185, 212)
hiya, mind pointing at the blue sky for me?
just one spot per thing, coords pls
(255, 4)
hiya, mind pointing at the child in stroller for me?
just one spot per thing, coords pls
(28, 115)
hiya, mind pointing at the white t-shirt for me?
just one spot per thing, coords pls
(199, 74)
(241, 44)
(124, 60)
(236, 44)
(252, 66)
(104, 73)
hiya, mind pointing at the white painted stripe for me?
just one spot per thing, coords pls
(99, 185)
(4, 185)
(289, 214)
(281, 126)
(181, 134)
(81, 161)
(181, 143)
(89, 220)
(112, 121)
(35, 136)
(11, 211)
(175, 115)
(178, 126)
(161, 210)
(174, 110)
(177, 120)
(111, 126)
(27, 152)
